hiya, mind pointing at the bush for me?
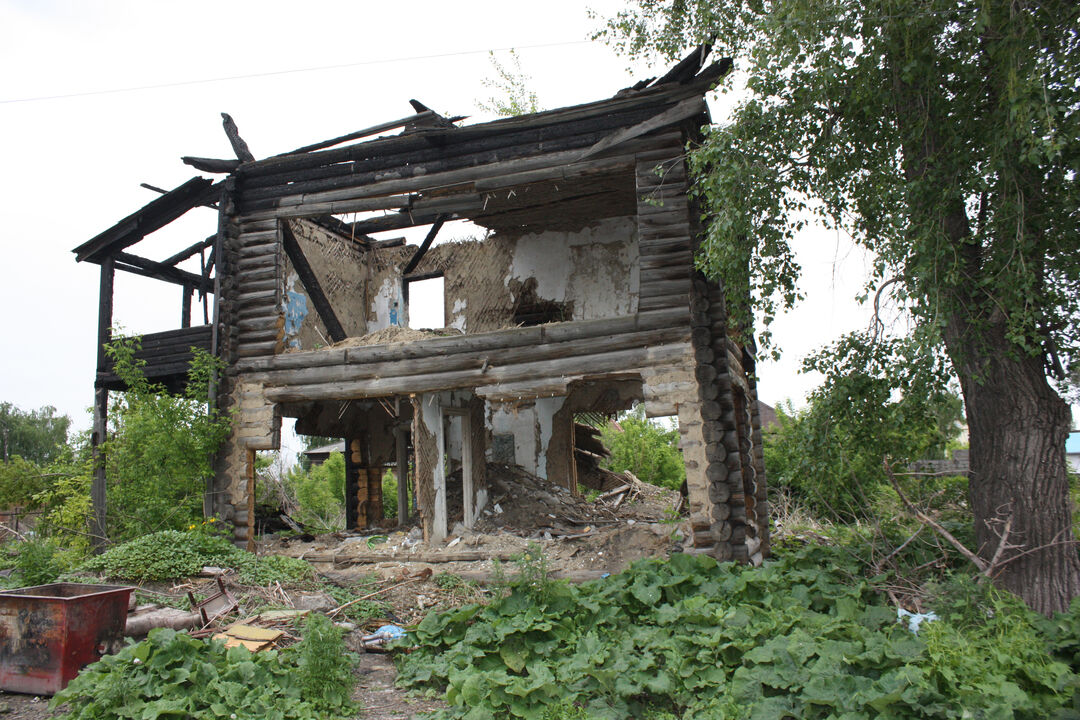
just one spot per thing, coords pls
(160, 447)
(172, 674)
(171, 554)
(646, 449)
(324, 666)
(320, 493)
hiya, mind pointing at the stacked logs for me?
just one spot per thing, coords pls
(724, 524)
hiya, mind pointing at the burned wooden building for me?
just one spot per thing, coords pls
(576, 292)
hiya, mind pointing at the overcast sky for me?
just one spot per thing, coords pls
(97, 97)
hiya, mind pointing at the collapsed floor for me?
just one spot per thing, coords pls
(580, 539)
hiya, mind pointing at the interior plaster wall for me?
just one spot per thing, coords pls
(342, 272)
(593, 270)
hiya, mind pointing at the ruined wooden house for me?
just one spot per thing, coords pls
(576, 294)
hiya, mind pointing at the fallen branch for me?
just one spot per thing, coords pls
(339, 608)
(977, 561)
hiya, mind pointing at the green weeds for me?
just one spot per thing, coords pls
(171, 674)
(804, 636)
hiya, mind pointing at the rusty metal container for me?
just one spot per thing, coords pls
(48, 633)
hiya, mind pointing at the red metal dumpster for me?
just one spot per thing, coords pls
(48, 633)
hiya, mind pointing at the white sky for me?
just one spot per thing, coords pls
(72, 165)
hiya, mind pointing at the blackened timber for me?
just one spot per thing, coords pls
(238, 145)
(188, 251)
(481, 363)
(366, 132)
(98, 481)
(152, 216)
(311, 282)
(161, 271)
(685, 109)
(105, 310)
(162, 191)
(543, 125)
(185, 307)
(211, 165)
(409, 165)
(460, 142)
(422, 250)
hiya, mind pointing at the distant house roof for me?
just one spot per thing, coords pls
(767, 416)
(318, 455)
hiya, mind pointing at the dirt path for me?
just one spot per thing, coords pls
(375, 691)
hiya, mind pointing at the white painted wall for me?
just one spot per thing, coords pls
(597, 267)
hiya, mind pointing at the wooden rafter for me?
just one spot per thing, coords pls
(422, 250)
(151, 217)
(311, 283)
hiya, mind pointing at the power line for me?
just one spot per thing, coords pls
(294, 71)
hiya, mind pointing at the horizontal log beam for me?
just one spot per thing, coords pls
(492, 342)
(581, 366)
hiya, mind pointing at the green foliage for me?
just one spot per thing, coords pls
(172, 554)
(646, 449)
(325, 668)
(925, 131)
(37, 436)
(358, 611)
(20, 481)
(879, 400)
(320, 493)
(38, 562)
(390, 493)
(171, 674)
(511, 84)
(66, 502)
(160, 447)
(802, 636)
(448, 581)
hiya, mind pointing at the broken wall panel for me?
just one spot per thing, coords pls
(340, 266)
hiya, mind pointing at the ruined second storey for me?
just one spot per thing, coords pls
(560, 245)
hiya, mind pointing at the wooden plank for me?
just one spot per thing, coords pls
(210, 165)
(165, 272)
(188, 251)
(239, 147)
(311, 283)
(366, 132)
(685, 109)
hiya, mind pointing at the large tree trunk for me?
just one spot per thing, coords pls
(1018, 426)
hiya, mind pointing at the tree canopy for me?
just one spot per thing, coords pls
(37, 436)
(944, 136)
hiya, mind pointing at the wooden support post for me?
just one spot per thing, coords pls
(185, 308)
(311, 283)
(352, 502)
(251, 501)
(98, 482)
(101, 406)
(401, 452)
